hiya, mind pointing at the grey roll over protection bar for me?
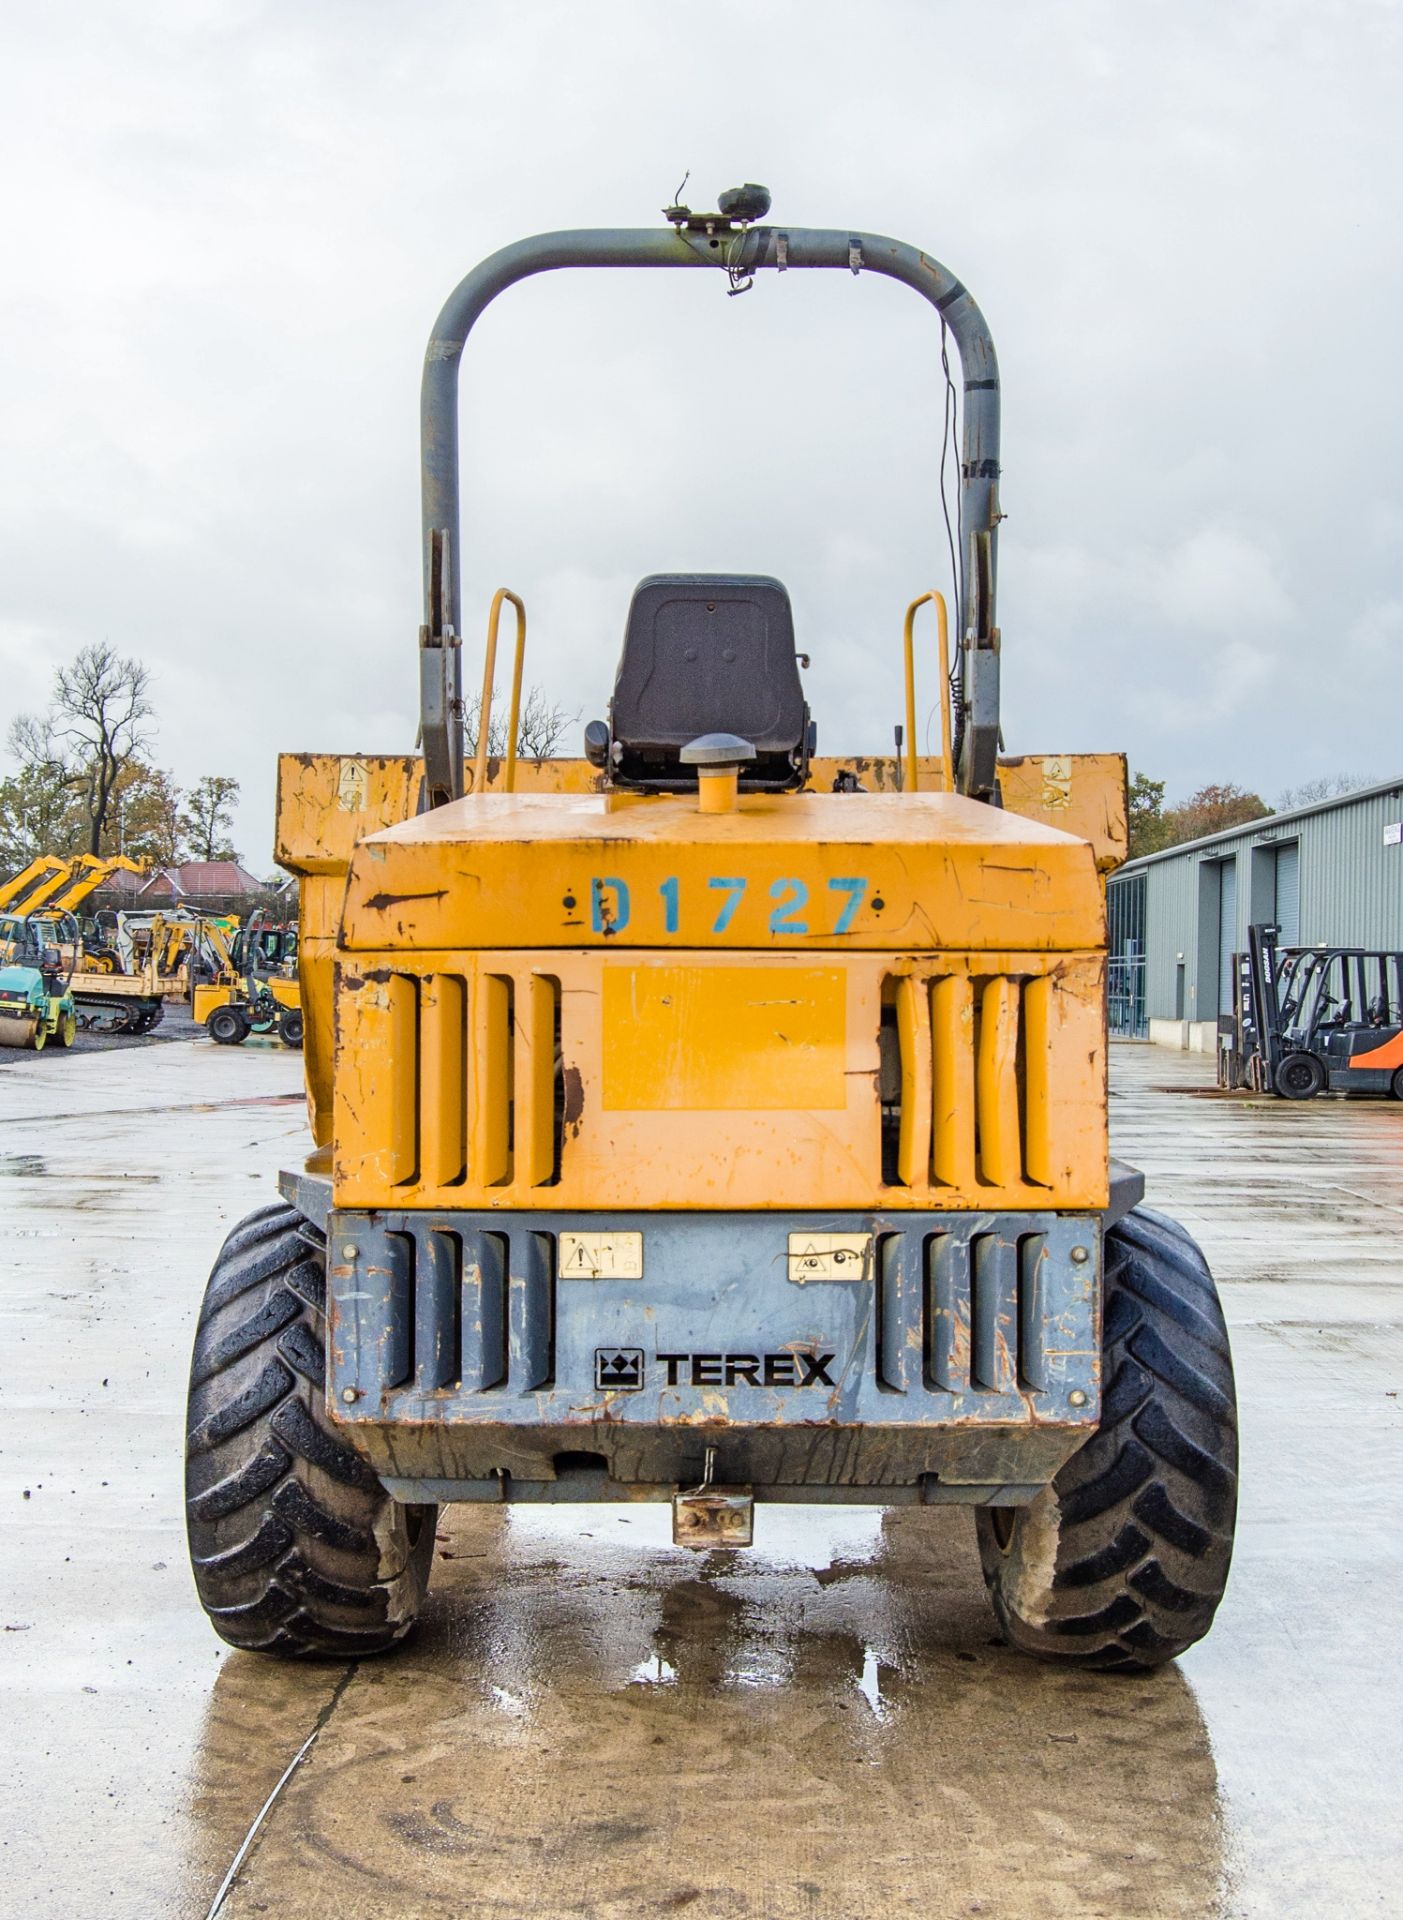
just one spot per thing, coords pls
(715, 242)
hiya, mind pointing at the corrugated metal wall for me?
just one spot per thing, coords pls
(1351, 883)
(1171, 919)
(1350, 894)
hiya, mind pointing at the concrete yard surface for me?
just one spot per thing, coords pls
(592, 1723)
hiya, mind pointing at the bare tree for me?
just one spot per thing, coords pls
(100, 705)
(472, 723)
(208, 817)
(38, 808)
(1329, 787)
(540, 727)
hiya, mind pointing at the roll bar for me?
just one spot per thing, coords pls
(714, 241)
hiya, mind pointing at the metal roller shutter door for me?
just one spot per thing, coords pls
(1288, 892)
(1227, 932)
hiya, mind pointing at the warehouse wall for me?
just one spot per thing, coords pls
(1171, 917)
(1351, 894)
(1351, 883)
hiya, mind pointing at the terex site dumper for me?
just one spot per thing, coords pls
(704, 1121)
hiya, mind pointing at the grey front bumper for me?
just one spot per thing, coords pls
(944, 1357)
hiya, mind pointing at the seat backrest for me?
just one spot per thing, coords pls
(708, 653)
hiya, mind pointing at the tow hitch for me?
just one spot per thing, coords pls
(711, 1516)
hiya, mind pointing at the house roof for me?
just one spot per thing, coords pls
(202, 878)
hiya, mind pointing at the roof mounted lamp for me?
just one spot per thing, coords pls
(718, 759)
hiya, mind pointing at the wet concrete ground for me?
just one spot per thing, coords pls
(592, 1724)
(177, 1023)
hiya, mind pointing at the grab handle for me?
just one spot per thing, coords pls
(489, 673)
(942, 619)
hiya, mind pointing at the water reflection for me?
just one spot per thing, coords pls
(594, 1723)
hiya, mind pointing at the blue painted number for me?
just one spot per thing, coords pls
(668, 890)
(790, 897)
(856, 890)
(735, 888)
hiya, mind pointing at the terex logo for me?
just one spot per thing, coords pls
(755, 1369)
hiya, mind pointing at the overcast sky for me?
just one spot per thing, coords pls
(228, 226)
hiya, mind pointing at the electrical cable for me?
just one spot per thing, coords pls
(949, 439)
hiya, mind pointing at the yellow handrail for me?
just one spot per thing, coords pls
(489, 672)
(947, 771)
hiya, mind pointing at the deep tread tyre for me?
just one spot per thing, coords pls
(290, 1027)
(1122, 1561)
(296, 1547)
(1300, 1076)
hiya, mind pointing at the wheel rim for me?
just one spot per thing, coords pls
(1300, 1075)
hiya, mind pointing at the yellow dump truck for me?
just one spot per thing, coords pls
(706, 1121)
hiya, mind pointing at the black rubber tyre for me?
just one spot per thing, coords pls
(227, 1027)
(296, 1547)
(1395, 1085)
(1122, 1561)
(290, 1027)
(1300, 1076)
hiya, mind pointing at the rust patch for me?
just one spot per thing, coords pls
(378, 902)
(574, 1089)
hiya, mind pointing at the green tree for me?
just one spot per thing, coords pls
(143, 816)
(1146, 815)
(207, 817)
(1213, 810)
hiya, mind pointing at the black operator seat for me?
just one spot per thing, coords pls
(708, 653)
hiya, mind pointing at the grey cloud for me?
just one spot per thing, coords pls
(230, 225)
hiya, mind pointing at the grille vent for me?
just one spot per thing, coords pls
(456, 1309)
(961, 1313)
(973, 1084)
(477, 1092)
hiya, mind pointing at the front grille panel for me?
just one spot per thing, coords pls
(512, 1079)
(989, 1083)
(987, 1317)
(461, 1080)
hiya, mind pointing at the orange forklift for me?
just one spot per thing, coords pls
(1314, 1019)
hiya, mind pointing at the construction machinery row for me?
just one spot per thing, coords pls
(120, 972)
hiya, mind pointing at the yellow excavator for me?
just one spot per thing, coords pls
(41, 869)
(56, 885)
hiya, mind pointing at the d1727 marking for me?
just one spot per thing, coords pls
(792, 911)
